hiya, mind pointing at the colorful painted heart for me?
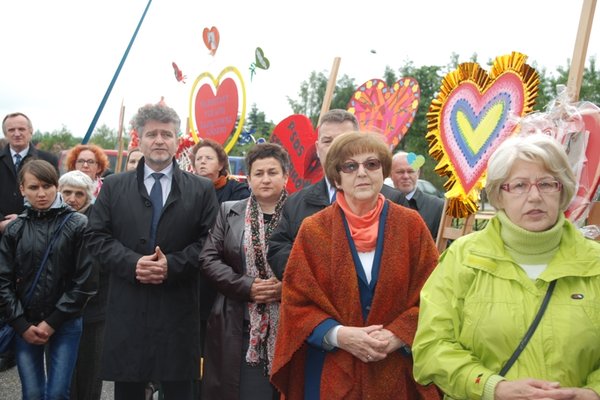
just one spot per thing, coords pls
(473, 113)
(214, 107)
(296, 134)
(211, 39)
(474, 124)
(389, 110)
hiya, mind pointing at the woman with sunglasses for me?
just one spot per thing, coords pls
(351, 287)
(91, 160)
(482, 299)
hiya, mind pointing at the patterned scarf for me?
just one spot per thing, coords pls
(264, 318)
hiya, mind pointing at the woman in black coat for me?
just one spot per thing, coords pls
(45, 312)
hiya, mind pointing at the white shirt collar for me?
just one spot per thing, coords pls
(168, 171)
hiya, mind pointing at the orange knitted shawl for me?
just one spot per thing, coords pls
(320, 282)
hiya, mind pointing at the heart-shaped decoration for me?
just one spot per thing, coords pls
(389, 110)
(415, 161)
(211, 39)
(590, 174)
(473, 113)
(214, 105)
(261, 61)
(297, 135)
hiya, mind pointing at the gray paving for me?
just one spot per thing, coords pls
(10, 386)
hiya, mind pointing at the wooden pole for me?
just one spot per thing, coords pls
(119, 165)
(330, 87)
(580, 50)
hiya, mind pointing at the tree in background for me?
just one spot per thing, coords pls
(107, 138)
(55, 141)
(256, 125)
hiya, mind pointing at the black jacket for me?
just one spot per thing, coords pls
(152, 332)
(11, 200)
(298, 206)
(68, 279)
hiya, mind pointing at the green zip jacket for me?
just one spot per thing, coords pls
(478, 303)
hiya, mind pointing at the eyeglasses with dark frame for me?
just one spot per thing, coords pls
(88, 162)
(351, 167)
(544, 186)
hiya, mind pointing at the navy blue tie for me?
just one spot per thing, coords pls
(17, 162)
(156, 197)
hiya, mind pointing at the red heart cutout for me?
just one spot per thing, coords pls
(216, 113)
(211, 39)
(297, 135)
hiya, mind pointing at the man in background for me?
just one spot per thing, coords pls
(18, 131)
(405, 179)
(316, 197)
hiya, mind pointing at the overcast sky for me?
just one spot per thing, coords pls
(59, 56)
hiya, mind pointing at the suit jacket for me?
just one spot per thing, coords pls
(11, 201)
(300, 205)
(152, 331)
(430, 208)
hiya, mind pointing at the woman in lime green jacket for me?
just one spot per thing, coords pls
(483, 296)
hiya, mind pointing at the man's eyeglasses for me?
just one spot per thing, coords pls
(351, 167)
(88, 162)
(521, 187)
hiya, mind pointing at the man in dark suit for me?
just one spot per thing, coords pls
(405, 179)
(18, 130)
(316, 197)
(147, 229)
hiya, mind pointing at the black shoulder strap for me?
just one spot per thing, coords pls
(530, 331)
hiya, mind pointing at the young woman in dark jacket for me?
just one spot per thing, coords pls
(47, 316)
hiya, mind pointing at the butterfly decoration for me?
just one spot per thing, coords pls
(261, 62)
(247, 137)
(178, 73)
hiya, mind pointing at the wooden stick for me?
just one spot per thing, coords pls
(119, 165)
(580, 50)
(330, 87)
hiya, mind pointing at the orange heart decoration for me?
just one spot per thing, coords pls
(211, 39)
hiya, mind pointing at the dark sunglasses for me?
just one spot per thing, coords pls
(351, 167)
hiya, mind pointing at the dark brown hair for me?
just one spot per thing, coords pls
(42, 170)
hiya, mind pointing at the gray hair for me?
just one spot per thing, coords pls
(156, 112)
(338, 115)
(78, 179)
(537, 148)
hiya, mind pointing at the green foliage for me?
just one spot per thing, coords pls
(107, 138)
(55, 141)
(256, 122)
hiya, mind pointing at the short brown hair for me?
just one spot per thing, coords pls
(41, 169)
(101, 158)
(221, 155)
(265, 150)
(352, 143)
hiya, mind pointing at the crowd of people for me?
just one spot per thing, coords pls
(204, 287)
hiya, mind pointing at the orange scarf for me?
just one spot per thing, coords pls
(363, 229)
(220, 182)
